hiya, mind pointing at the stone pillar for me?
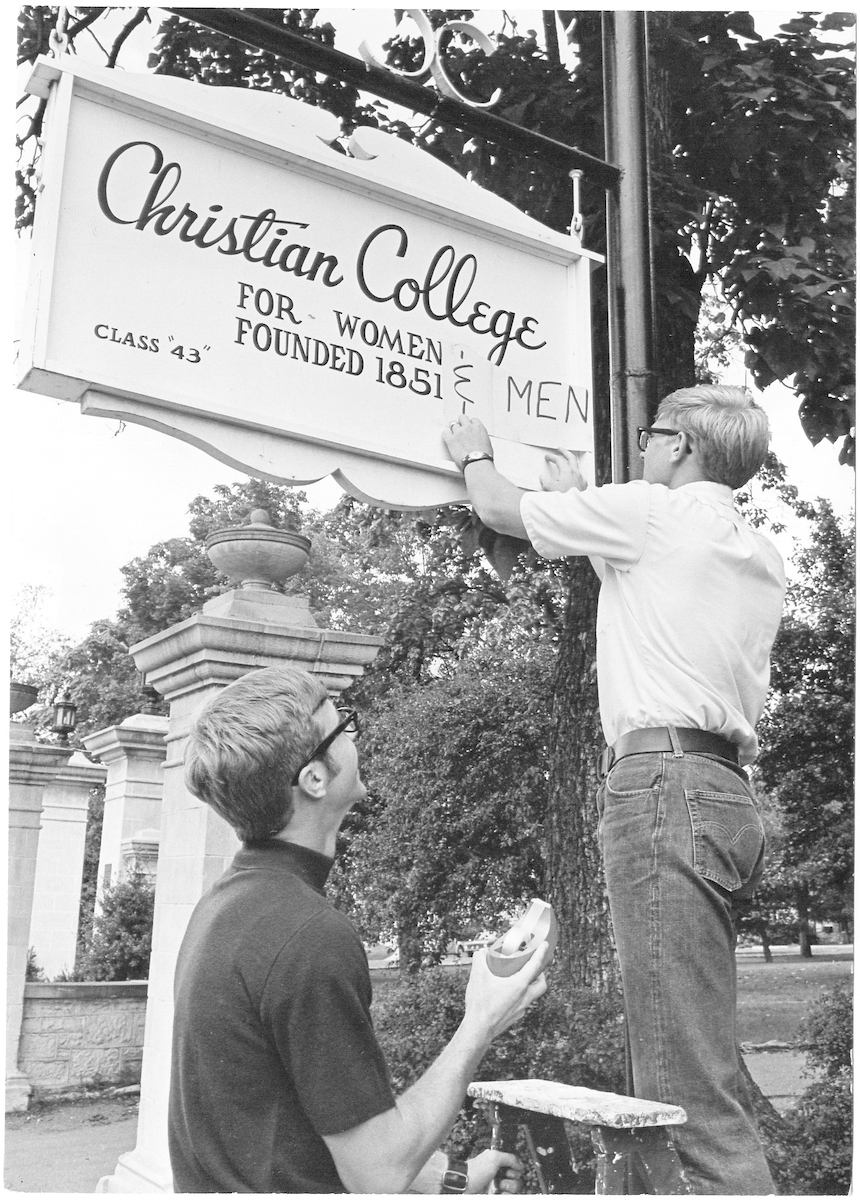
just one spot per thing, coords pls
(238, 632)
(134, 754)
(32, 766)
(60, 864)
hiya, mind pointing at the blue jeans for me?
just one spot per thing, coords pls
(682, 845)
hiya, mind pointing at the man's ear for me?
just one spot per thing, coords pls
(313, 779)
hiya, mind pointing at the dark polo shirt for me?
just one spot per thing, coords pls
(273, 1044)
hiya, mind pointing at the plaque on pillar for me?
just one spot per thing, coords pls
(140, 853)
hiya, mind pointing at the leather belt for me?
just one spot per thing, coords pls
(646, 741)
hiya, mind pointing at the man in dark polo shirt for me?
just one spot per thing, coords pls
(278, 1083)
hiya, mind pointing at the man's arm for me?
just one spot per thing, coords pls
(386, 1153)
(495, 499)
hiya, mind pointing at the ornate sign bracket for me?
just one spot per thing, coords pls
(433, 56)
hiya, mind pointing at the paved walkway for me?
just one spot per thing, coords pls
(67, 1147)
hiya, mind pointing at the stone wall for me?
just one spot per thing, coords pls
(79, 1034)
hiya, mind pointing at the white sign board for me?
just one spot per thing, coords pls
(206, 262)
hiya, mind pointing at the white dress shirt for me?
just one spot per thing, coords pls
(690, 603)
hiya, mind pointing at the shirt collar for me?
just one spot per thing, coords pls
(273, 854)
(717, 494)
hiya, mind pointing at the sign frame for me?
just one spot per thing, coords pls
(274, 130)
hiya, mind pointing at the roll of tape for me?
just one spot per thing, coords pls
(508, 953)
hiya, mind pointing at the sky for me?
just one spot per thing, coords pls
(86, 494)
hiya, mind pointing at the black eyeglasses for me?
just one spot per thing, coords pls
(349, 725)
(646, 432)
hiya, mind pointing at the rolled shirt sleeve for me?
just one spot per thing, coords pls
(610, 522)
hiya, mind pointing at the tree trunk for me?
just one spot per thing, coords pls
(574, 872)
(765, 943)
(802, 902)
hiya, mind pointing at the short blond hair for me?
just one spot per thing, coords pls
(246, 744)
(730, 431)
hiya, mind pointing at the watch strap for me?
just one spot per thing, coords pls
(475, 456)
(456, 1176)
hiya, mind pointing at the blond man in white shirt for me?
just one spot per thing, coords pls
(690, 603)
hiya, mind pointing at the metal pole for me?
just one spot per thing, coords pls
(248, 27)
(628, 239)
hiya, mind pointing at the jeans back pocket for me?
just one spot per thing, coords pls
(728, 839)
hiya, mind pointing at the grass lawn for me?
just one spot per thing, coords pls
(773, 998)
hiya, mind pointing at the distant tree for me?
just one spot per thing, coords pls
(90, 874)
(452, 831)
(807, 735)
(104, 682)
(36, 648)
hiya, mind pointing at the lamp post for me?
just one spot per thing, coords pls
(65, 716)
(628, 238)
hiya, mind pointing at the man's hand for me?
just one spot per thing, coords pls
(495, 499)
(463, 435)
(493, 1002)
(484, 1168)
(561, 472)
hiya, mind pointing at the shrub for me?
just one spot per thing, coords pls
(34, 973)
(818, 1129)
(575, 1038)
(828, 1029)
(818, 1137)
(121, 941)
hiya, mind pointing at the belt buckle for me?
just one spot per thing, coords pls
(605, 763)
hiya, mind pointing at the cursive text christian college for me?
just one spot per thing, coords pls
(443, 288)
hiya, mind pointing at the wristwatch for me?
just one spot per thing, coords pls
(456, 1177)
(475, 456)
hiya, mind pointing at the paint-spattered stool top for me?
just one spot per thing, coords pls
(583, 1105)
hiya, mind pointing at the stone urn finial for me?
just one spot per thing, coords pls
(257, 556)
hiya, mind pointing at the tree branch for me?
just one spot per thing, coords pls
(703, 237)
(36, 120)
(550, 33)
(84, 23)
(139, 17)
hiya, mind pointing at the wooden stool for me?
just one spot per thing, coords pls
(635, 1154)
